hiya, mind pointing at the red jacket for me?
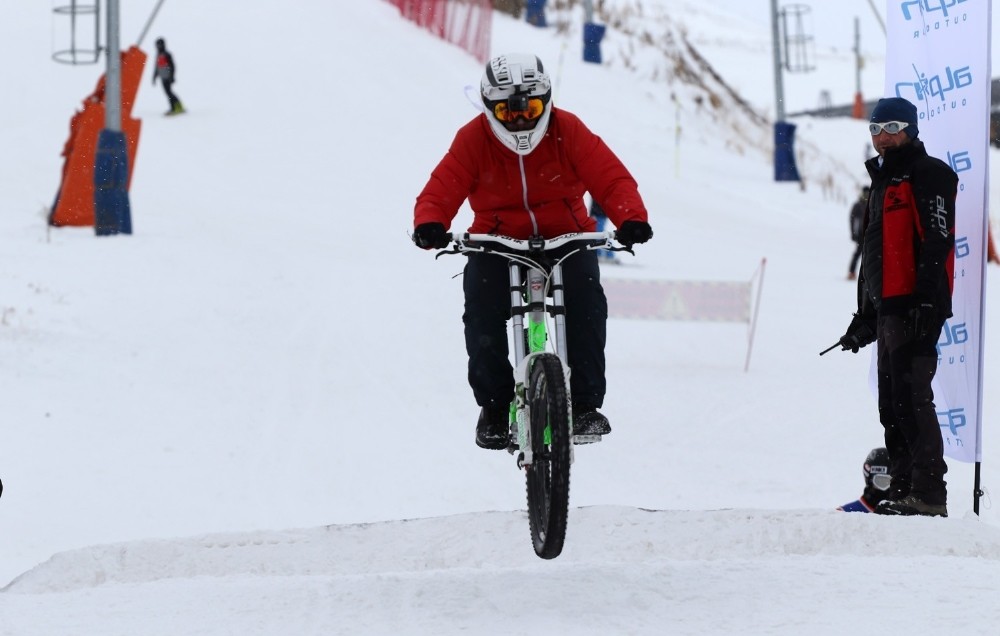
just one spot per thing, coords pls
(569, 161)
(908, 244)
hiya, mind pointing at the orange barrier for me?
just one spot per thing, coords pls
(75, 201)
(858, 112)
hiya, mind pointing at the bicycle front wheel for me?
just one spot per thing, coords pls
(548, 474)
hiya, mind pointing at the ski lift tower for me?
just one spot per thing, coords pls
(792, 48)
(111, 212)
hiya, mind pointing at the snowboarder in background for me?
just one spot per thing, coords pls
(166, 70)
(877, 482)
(857, 216)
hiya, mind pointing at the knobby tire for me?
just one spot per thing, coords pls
(548, 475)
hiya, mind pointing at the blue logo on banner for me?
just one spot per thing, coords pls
(952, 335)
(952, 419)
(960, 161)
(962, 248)
(920, 6)
(934, 86)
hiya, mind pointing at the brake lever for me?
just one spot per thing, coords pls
(623, 248)
(441, 253)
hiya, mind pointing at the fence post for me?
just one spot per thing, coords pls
(592, 36)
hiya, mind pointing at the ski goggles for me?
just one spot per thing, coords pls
(891, 127)
(881, 481)
(529, 108)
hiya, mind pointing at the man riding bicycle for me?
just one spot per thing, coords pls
(525, 166)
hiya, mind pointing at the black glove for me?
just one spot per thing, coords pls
(430, 236)
(860, 334)
(921, 317)
(632, 232)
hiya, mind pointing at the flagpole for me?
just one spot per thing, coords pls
(915, 54)
(977, 490)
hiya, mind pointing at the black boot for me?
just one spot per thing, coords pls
(588, 421)
(492, 429)
(911, 505)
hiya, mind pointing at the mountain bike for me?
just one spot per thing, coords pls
(541, 426)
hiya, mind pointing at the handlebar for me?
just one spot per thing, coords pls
(481, 242)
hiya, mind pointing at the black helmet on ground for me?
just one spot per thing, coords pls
(876, 471)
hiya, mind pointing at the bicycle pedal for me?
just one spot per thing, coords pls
(586, 439)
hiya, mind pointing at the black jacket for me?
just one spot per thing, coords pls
(165, 69)
(908, 247)
(857, 217)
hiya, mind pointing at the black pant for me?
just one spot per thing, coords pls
(168, 89)
(906, 366)
(855, 258)
(487, 308)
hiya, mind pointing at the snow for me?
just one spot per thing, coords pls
(252, 417)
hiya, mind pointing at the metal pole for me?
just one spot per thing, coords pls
(857, 55)
(878, 16)
(113, 87)
(97, 32)
(149, 23)
(779, 89)
(72, 31)
(977, 491)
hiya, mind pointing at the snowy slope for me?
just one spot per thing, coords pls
(625, 571)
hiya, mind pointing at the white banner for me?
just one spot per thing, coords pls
(709, 301)
(938, 57)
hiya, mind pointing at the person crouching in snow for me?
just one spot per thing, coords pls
(877, 481)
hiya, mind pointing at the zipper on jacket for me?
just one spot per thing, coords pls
(524, 194)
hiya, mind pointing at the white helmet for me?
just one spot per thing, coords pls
(517, 95)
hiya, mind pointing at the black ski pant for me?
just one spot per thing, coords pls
(168, 88)
(487, 308)
(855, 257)
(906, 366)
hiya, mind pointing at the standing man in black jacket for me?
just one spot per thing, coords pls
(904, 297)
(856, 218)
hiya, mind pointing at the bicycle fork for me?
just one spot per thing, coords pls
(528, 318)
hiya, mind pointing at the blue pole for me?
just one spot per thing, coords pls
(592, 36)
(535, 13)
(112, 212)
(784, 152)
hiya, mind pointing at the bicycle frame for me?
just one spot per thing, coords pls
(530, 310)
(541, 423)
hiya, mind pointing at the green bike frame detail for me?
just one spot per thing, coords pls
(537, 334)
(537, 337)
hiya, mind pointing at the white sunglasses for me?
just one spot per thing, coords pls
(881, 481)
(891, 127)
